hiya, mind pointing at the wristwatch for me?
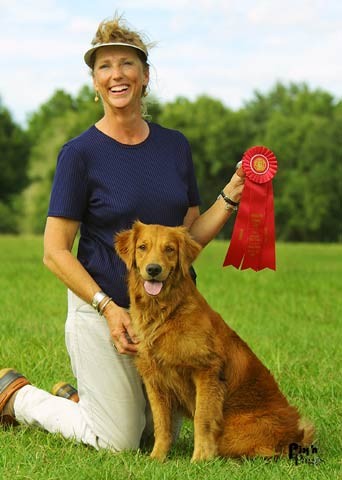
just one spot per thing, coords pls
(230, 204)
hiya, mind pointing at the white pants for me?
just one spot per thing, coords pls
(112, 410)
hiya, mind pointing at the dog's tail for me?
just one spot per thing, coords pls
(308, 430)
(303, 437)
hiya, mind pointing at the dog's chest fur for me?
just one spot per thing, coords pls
(173, 381)
(172, 349)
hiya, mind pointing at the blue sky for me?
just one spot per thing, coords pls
(223, 48)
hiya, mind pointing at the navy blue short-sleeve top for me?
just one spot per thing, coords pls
(107, 185)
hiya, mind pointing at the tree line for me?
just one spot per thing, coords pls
(303, 127)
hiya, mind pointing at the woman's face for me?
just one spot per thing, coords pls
(119, 76)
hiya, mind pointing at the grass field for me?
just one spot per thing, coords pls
(291, 318)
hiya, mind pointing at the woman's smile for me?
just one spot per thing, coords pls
(119, 89)
(119, 75)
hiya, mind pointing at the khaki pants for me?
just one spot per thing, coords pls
(112, 410)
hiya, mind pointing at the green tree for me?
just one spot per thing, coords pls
(302, 126)
(87, 110)
(58, 120)
(41, 171)
(60, 103)
(217, 136)
(14, 148)
(303, 129)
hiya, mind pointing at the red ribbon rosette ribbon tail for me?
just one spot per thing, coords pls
(253, 240)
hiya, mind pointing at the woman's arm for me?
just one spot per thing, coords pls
(59, 238)
(205, 227)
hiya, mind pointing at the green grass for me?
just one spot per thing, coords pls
(291, 318)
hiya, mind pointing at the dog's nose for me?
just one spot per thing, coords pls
(153, 269)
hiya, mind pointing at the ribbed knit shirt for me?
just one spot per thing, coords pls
(107, 185)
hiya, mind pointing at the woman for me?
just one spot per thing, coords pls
(121, 169)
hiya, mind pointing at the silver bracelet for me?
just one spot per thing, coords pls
(97, 299)
(230, 204)
(102, 309)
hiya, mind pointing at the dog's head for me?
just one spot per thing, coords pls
(157, 253)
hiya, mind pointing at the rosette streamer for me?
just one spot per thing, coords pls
(253, 240)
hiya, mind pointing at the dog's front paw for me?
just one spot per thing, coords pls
(158, 454)
(204, 453)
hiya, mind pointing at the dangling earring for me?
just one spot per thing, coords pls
(96, 98)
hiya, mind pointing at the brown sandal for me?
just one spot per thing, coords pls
(65, 390)
(10, 382)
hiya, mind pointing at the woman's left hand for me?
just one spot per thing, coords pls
(234, 188)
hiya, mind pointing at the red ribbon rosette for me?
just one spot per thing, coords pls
(253, 240)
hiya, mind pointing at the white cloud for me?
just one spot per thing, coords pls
(82, 25)
(31, 11)
(272, 15)
(224, 48)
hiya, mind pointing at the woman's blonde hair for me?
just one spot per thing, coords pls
(117, 30)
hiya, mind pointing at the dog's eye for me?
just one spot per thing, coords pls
(142, 247)
(169, 249)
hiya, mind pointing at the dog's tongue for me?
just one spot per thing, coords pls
(153, 288)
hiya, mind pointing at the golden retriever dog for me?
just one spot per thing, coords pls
(191, 361)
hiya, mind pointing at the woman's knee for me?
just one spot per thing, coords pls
(122, 440)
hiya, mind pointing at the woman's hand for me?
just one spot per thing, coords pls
(234, 188)
(121, 330)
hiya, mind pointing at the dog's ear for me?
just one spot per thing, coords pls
(188, 250)
(124, 244)
(125, 247)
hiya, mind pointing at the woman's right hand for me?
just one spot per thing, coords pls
(121, 330)
(59, 237)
